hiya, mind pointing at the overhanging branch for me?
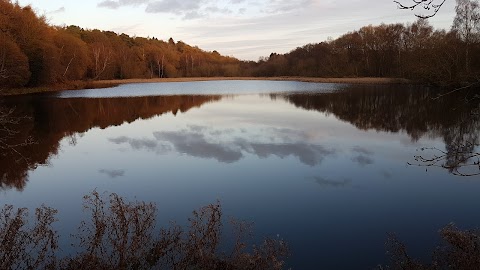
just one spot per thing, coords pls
(427, 5)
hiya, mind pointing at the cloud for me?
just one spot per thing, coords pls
(196, 9)
(120, 3)
(187, 9)
(284, 6)
(109, 4)
(174, 6)
(214, 9)
(112, 173)
(59, 10)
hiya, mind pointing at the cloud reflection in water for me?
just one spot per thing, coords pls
(112, 173)
(209, 143)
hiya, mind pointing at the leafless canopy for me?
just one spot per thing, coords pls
(423, 8)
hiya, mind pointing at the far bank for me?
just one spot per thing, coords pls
(78, 85)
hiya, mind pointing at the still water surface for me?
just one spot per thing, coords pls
(323, 166)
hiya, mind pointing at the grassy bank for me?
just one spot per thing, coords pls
(301, 79)
(77, 85)
(74, 85)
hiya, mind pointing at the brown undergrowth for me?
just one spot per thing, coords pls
(121, 234)
(460, 249)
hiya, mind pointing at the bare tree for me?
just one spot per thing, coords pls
(102, 57)
(467, 25)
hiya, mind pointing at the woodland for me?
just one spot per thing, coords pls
(118, 234)
(34, 53)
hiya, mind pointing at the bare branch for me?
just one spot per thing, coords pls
(462, 161)
(426, 5)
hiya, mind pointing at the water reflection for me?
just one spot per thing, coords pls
(112, 173)
(411, 110)
(141, 144)
(324, 182)
(46, 121)
(203, 142)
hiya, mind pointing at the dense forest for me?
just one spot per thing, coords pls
(34, 53)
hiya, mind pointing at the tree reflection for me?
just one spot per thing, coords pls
(46, 121)
(11, 142)
(121, 234)
(412, 110)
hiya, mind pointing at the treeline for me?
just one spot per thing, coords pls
(415, 51)
(33, 53)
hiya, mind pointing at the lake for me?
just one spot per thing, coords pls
(323, 166)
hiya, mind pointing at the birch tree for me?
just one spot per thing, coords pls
(467, 25)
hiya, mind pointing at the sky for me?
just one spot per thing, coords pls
(245, 29)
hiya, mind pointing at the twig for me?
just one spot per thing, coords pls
(427, 5)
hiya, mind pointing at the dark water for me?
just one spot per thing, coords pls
(323, 166)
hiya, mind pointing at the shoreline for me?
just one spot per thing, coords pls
(80, 85)
(359, 80)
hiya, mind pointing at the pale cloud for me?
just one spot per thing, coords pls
(109, 4)
(59, 10)
(186, 9)
(116, 4)
(174, 6)
(197, 9)
(283, 6)
(214, 9)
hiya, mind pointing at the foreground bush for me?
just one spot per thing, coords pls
(459, 250)
(122, 235)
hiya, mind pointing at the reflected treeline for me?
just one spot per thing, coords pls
(31, 128)
(418, 112)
